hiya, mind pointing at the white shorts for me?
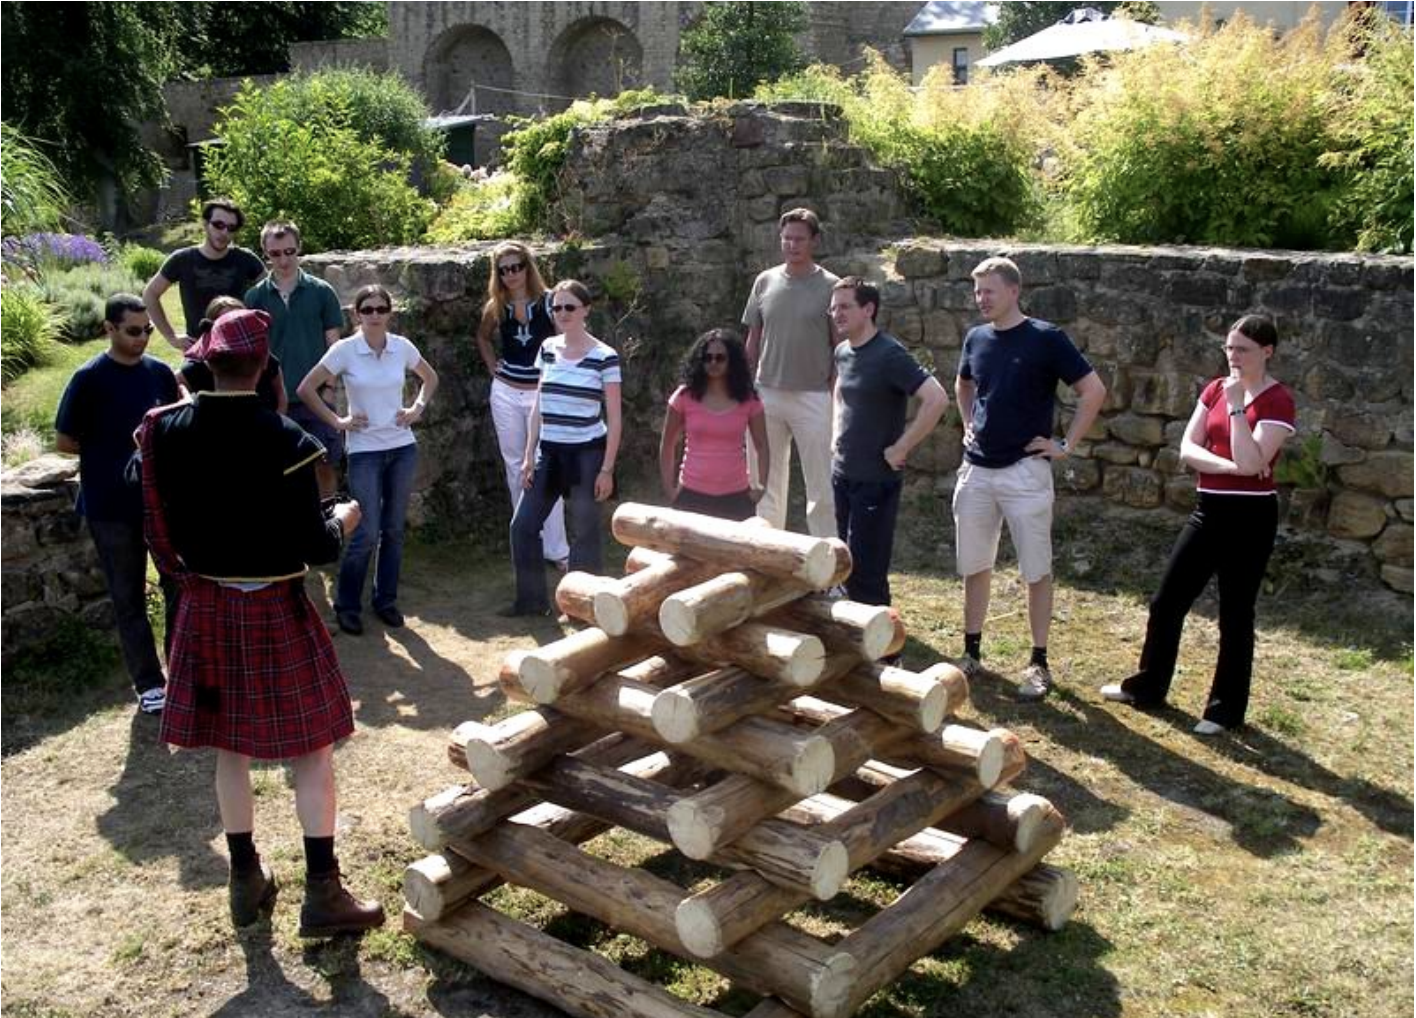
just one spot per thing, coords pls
(984, 498)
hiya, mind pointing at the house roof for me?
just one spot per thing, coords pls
(941, 17)
(1082, 31)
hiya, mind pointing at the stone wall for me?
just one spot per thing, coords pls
(51, 571)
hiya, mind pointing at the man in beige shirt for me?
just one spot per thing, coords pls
(790, 344)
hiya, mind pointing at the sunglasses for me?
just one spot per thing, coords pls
(514, 267)
(223, 226)
(277, 252)
(134, 331)
(375, 309)
(715, 358)
(565, 309)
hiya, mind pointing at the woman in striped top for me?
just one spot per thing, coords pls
(571, 446)
(518, 313)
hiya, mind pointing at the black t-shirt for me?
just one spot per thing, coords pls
(200, 279)
(875, 382)
(1016, 372)
(101, 408)
(199, 379)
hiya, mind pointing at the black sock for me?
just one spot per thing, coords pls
(973, 645)
(242, 848)
(319, 856)
(1039, 657)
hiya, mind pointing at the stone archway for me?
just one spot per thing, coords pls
(462, 58)
(597, 56)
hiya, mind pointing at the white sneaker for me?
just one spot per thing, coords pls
(1209, 728)
(1036, 683)
(151, 701)
(1116, 694)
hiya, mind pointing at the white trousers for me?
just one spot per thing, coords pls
(511, 416)
(803, 418)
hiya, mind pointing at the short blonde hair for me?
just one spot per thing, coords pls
(1005, 268)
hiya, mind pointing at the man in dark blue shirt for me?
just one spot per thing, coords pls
(875, 378)
(1006, 387)
(102, 405)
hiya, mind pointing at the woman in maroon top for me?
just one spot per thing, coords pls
(1234, 435)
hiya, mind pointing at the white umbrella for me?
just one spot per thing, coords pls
(1083, 31)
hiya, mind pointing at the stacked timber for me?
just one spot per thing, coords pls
(719, 703)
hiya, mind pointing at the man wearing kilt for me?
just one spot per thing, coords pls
(232, 512)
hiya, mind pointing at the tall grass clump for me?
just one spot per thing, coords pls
(32, 193)
(29, 326)
(1216, 141)
(967, 155)
(81, 292)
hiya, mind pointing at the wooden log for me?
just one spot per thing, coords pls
(466, 810)
(719, 916)
(915, 700)
(709, 608)
(628, 603)
(574, 662)
(1006, 819)
(501, 754)
(727, 543)
(784, 853)
(771, 1007)
(863, 629)
(936, 907)
(575, 594)
(768, 651)
(578, 982)
(778, 960)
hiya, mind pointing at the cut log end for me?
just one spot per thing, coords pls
(690, 829)
(422, 886)
(991, 757)
(679, 623)
(489, 766)
(818, 566)
(1060, 903)
(541, 679)
(833, 986)
(674, 717)
(699, 929)
(1027, 812)
(934, 707)
(611, 613)
(829, 875)
(813, 767)
(805, 660)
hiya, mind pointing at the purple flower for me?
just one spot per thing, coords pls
(67, 249)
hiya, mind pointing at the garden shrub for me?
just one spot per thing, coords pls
(1217, 141)
(142, 262)
(319, 149)
(29, 326)
(59, 250)
(80, 293)
(480, 210)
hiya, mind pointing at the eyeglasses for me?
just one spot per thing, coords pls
(223, 226)
(134, 331)
(375, 309)
(514, 267)
(281, 252)
(715, 358)
(565, 309)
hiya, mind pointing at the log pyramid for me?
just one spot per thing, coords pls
(720, 704)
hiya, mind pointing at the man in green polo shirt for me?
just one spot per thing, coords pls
(306, 318)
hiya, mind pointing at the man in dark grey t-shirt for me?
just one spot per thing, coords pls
(875, 378)
(214, 268)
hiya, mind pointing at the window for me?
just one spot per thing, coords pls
(961, 65)
(1399, 11)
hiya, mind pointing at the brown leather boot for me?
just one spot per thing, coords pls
(329, 909)
(250, 892)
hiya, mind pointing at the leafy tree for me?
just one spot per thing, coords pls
(1018, 20)
(227, 40)
(734, 47)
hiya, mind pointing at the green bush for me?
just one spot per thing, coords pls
(142, 262)
(80, 294)
(29, 326)
(1217, 141)
(333, 151)
(481, 210)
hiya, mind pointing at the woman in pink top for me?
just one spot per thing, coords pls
(1239, 425)
(714, 411)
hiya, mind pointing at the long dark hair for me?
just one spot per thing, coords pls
(694, 374)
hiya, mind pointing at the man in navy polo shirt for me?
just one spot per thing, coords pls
(875, 378)
(103, 404)
(1007, 388)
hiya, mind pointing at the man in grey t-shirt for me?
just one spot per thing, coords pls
(789, 343)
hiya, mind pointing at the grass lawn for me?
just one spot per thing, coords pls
(1263, 875)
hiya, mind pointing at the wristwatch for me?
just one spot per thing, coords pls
(1237, 413)
(1062, 444)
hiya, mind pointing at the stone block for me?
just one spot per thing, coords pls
(1326, 383)
(1137, 430)
(1264, 268)
(786, 181)
(1167, 461)
(1052, 304)
(1133, 486)
(917, 261)
(1138, 344)
(1342, 272)
(1334, 453)
(1197, 289)
(1035, 266)
(1356, 516)
(1398, 579)
(1386, 275)
(906, 324)
(941, 331)
(1132, 276)
(1287, 299)
(1386, 473)
(1394, 546)
(925, 294)
(19, 587)
(1176, 261)
(896, 293)
(956, 297)
(752, 184)
(748, 131)
(1165, 394)
(1307, 508)
(763, 209)
(1341, 305)
(1108, 308)
(1180, 493)
(1115, 452)
(1078, 265)
(1076, 474)
(1406, 509)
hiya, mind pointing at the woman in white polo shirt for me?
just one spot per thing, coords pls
(383, 454)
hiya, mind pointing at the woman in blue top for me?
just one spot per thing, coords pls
(383, 454)
(518, 314)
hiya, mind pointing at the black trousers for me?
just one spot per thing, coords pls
(865, 520)
(736, 506)
(562, 472)
(1229, 537)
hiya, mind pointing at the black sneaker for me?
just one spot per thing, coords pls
(351, 623)
(390, 616)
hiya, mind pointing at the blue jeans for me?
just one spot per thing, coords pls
(123, 555)
(381, 482)
(562, 471)
(865, 520)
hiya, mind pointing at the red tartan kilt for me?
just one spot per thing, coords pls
(253, 672)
